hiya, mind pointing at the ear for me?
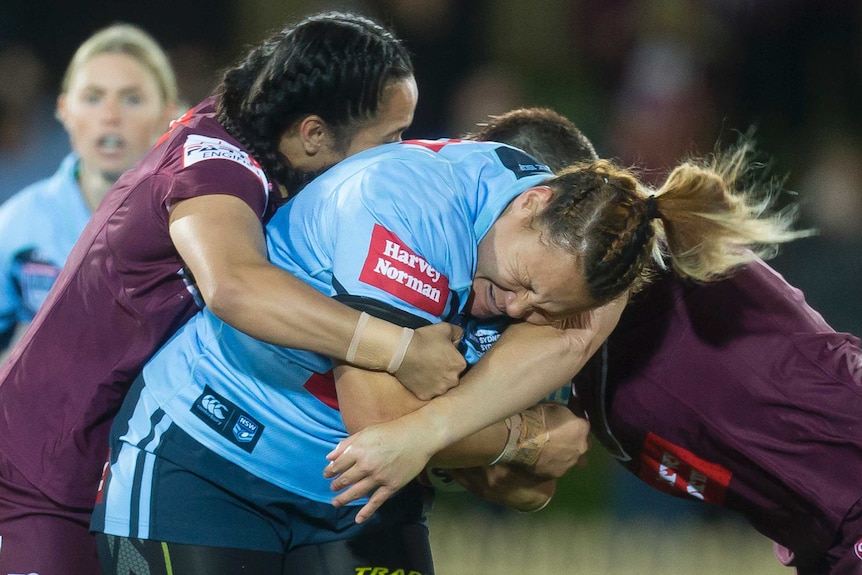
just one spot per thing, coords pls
(533, 200)
(312, 133)
(60, 111)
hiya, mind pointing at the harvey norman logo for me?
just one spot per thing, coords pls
(397, 270)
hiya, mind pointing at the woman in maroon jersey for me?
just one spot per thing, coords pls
(181, 229)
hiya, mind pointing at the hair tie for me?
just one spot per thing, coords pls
(651, 208)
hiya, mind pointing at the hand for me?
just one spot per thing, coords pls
(569, 441)
(509, 485)
(380, 458)
(433, 363)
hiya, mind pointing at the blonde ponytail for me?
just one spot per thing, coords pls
(710, 225)
(702, 222)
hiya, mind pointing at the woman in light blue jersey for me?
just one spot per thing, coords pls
(485, 232)
(118, 96)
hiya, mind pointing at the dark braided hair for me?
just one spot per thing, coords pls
(333, 64)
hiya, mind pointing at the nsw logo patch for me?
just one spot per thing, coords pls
(396, 269)
(227, 419)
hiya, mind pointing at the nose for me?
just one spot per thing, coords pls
(111, 110)
(516, 306)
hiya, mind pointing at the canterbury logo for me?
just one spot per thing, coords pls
(214, 407)
(227, 419)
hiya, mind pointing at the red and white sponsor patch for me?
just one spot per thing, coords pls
(199, 148)
(857, 547)
(397, 270)
(675, 470)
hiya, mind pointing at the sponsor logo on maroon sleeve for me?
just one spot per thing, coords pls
(394, 268)
(858, 549)
(199, 148)
(672, 469)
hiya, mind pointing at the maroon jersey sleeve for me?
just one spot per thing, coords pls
(219, 169)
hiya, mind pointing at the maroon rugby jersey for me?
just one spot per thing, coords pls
(739, 394)
(119, 297)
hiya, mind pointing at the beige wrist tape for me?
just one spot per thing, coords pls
(513, 423)
(357, 337)
(373, 345)
(527, 436)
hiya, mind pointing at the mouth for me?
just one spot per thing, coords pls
(111, 144)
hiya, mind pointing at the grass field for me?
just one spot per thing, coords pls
(471, 541)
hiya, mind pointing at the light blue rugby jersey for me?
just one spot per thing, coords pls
(38, 227)
(398, 224)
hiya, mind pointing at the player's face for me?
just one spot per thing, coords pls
(520, 275)
(394, 115)
(113, 112)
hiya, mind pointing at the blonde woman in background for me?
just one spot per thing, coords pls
(117, 97)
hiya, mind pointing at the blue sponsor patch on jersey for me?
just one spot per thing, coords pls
(520, 163)
(228, 420)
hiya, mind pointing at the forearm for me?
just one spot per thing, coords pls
(524, 366)
(272, 305)
(221, 241)
(367, 399)
(477, 449)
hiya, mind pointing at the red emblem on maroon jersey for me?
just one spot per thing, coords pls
(397, 270)
(858, 549)
(677, 471)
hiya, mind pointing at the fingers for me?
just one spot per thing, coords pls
(455, 333)
(433, 364)
(361, 489)
(347, 471)
(339, 461)
(356, 491)
(380, 496)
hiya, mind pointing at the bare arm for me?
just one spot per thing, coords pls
(370, 398)
(221, 241)
(525, 365)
